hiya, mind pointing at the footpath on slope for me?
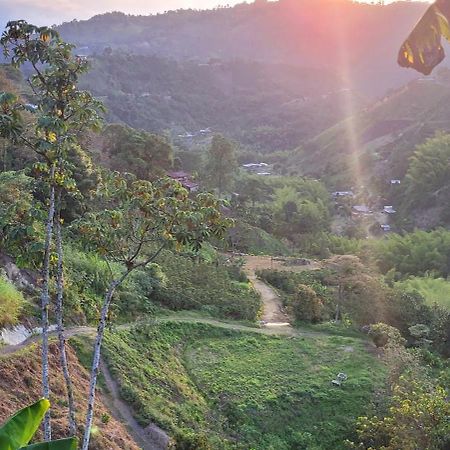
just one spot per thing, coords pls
(149, 438)
(273, 314)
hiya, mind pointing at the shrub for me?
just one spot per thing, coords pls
(384, 335)
(306, 304)
(203, 286)
(11, 303)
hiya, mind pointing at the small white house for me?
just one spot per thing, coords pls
(389, 210)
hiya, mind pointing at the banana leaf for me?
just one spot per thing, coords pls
(62, 444)
(20, 428)
(423, 49)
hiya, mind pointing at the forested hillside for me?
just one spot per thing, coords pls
(264, 106)
(379, 140)
(393, 139)
(247, 71)
(267, 31)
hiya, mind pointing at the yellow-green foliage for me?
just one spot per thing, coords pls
(11, 302)
(433, 290)
(417, 419)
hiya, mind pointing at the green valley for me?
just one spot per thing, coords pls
(226, 228)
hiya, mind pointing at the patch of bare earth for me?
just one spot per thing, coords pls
(20, 375)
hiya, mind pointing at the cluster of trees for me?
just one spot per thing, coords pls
(145, 155)
(289, 208)
(417, 253)
(127, 221)
(423, 197)
(415, 409)
(347, 290)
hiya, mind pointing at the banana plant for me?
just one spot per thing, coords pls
(17, 432)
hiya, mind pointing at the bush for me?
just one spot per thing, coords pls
(86, 277)
(384, 335)
(11, 303)
(306, 305)
(419, 253)
(203, 286)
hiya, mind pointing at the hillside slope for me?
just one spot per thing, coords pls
(375, 144)
(267, 106)
(280, 31)
(20, 385)
(213, 388)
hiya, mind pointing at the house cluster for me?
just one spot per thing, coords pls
(257, 168)
(362, 210)
(185, 180)
(203, 132)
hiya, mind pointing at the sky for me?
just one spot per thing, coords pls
(49, 12)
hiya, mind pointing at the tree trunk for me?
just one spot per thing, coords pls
(338, 313)
(339, 302)
(45, 301)
(98, 345)
(96, 359)
(60, 321)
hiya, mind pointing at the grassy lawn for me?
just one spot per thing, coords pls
(434, 290)
(214, 388)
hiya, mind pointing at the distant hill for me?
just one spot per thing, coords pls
(265, 106)
(358, 41)
(377, 142)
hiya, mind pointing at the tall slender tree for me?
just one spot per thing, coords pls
(133, 222)
(220, 163)
(49, 127)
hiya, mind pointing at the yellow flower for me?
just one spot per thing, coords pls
(51, 136)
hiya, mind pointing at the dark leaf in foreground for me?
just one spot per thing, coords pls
(423, 49)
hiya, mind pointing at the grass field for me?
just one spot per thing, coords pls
(215, 388)
(434, 290)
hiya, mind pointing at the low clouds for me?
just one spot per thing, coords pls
(48, 12)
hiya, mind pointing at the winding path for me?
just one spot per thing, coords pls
(274, 317)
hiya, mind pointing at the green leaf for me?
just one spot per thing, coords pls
(62, 444)
(20, 428)
(423, 50)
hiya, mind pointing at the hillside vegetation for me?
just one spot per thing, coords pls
(434, 290)
(376, 143)
(263, 105)
(141, 230)
(217, 389)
